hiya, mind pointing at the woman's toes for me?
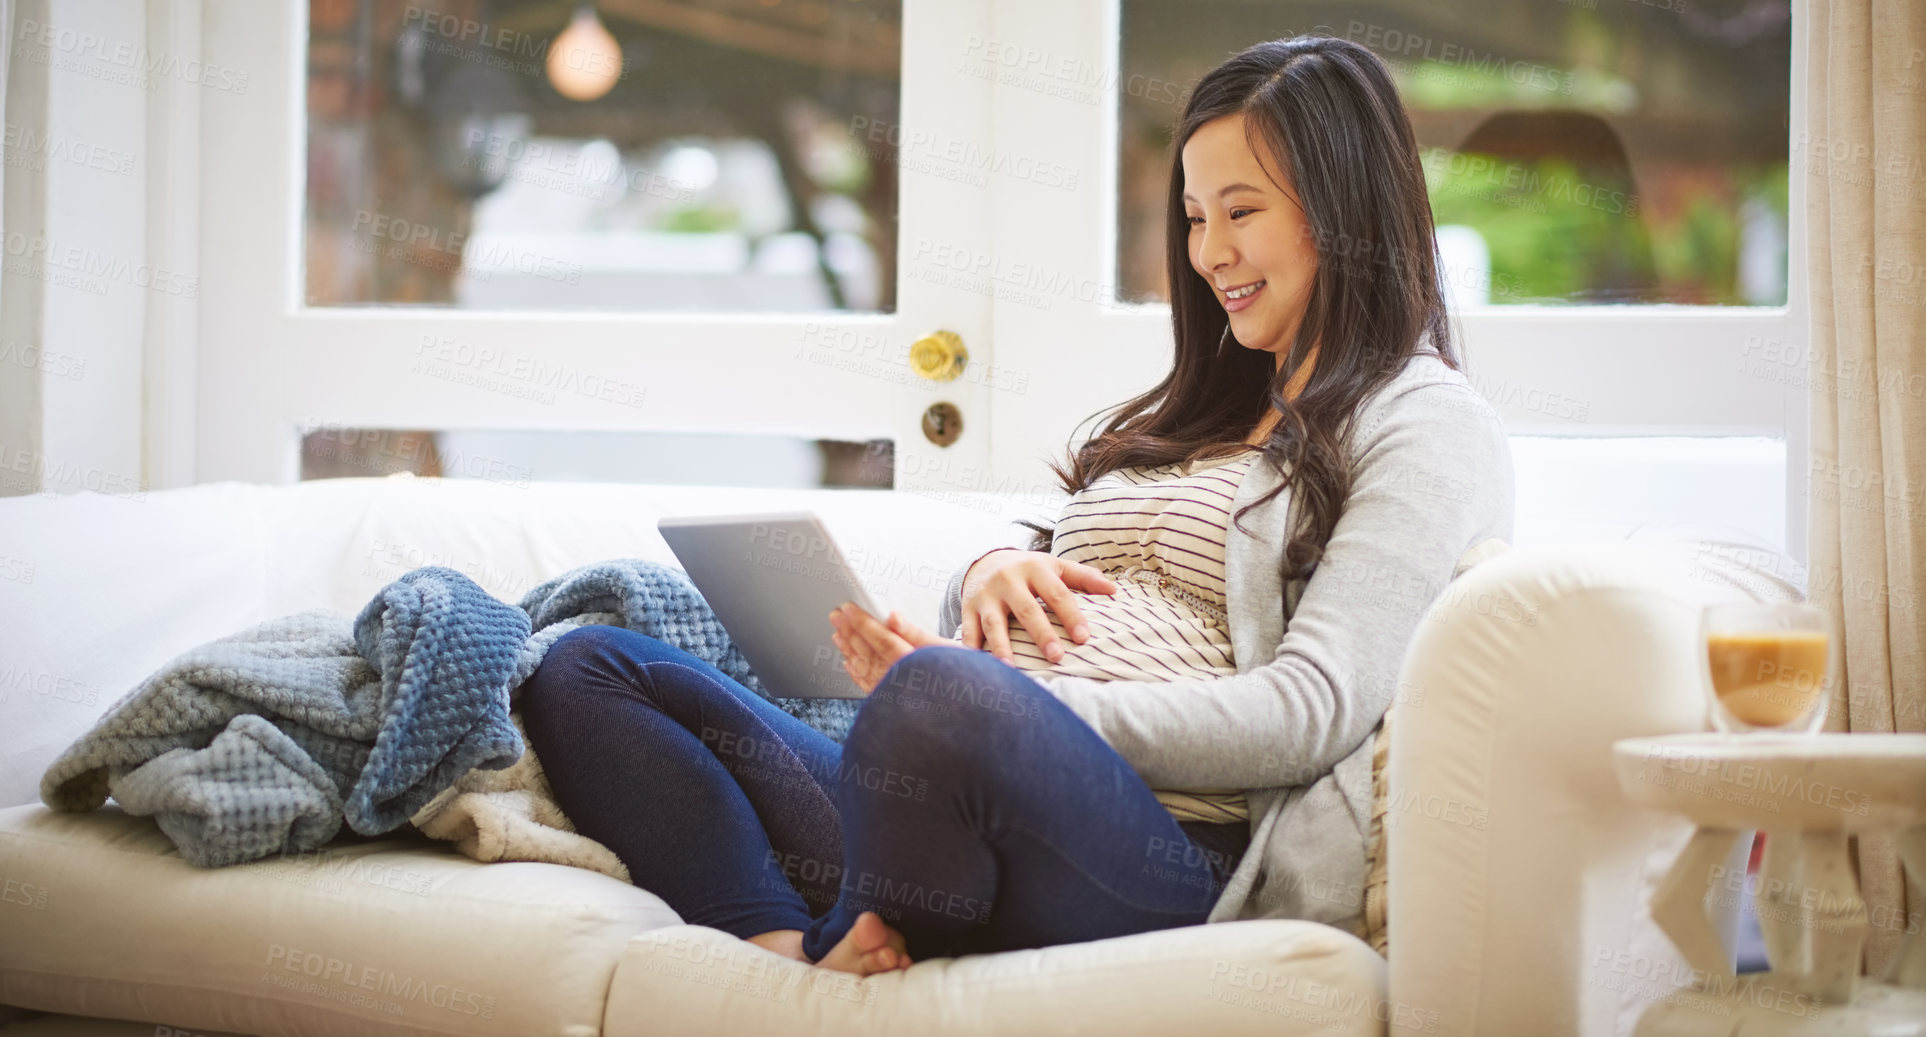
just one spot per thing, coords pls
(885, 959)
(869, 931)
(858, 950)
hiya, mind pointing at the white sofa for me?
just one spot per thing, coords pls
(1518, 875)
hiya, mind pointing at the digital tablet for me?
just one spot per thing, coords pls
(773, 580)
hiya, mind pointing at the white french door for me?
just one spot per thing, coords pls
(1006, 233)
(271, 366)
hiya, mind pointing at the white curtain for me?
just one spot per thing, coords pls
(1866, 211)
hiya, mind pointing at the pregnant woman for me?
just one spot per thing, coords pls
(1162, 713)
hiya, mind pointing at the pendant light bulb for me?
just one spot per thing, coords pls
(584, 61)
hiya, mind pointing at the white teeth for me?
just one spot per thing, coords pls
(1239, 293)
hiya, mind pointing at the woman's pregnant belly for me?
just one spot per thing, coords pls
(1136, 634)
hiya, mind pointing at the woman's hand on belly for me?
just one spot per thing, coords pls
(1008, 583)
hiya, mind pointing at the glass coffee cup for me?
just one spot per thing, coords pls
(1766, 666)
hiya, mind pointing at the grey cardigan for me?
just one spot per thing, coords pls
(1317, 662)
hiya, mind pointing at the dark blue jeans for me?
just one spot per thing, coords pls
(968, 807)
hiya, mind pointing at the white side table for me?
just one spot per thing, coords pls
(1807, 793)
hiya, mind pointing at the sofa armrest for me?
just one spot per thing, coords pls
(1521, 903)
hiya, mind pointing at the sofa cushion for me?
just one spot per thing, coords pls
(41, 1024)
(400, 936)
(100, 916)
(1268, 977)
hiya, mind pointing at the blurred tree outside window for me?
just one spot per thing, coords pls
(1593, 151)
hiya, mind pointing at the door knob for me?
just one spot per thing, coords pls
(939, 356)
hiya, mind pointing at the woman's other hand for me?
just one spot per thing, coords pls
(871, 646)
(1008, 582)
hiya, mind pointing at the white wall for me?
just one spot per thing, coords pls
(80, 288)
(96, 221)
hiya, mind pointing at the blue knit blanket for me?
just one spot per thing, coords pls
(268, 740)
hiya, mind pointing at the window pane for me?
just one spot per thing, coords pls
(1730, 488)
(621, 155)
(1578, 151)
(519, 457)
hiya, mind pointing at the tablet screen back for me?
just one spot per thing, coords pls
(772, 580)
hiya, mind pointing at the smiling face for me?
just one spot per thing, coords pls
(1248, 236)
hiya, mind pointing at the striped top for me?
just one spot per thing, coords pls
(1158, 533)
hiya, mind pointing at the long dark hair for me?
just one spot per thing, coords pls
(1325, 110)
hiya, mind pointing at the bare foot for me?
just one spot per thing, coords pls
(869, 947)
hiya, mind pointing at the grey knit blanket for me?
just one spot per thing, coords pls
(269, 740)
